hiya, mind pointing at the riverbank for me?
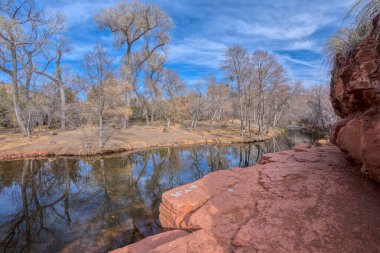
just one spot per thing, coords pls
(84, 142)
(300, 200)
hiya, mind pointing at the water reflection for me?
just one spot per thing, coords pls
(96, 205)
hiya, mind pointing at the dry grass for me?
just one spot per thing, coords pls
(347, 38)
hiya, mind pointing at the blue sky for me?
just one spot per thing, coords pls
(293, 30)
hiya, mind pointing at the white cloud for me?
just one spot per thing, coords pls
(300, 62)
(205, 28)
(308, 71)
(197, 51)
(275, 32)
(303, 45)
(77, 12)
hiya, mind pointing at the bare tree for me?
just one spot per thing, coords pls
(217, 97)
(56, 77)
(173, 89)
(268, 74)
(97, 69)
(196, 101)
(236, 65)
(320, 112)
(143, 29)
(279, 98)
(24, 31)
(154, 71)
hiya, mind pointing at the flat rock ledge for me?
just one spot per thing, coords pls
(301, 200)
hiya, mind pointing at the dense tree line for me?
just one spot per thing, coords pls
(255, 90)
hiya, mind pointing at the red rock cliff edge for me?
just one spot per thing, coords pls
(355, 95)
(301, 200)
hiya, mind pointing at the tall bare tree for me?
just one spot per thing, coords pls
(98, 74)
(153, 81)
(217, 97)
(56, 76)
(236, 65)
(143, 29)
(174, 87)
(196, 103)
(320, 112)
(24, 31)
(268, 74)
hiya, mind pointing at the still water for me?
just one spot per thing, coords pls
(102, 203)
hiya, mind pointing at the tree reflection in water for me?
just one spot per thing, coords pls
(96, 205)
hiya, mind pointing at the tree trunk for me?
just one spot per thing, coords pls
(193, 122)
(168, 121)
(15, 95)
(260, 116)
(277, 116)
(146, 115)
(153, 112)
(101, 132)
(61, 90)
(124, 123)
(241, 115)
(220, 126)
(210, 125)
(169, 116)
(63, 107)
(28, 78)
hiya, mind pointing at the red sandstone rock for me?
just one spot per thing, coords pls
(152, 242)
(359, 138)
(301, 200)
(199, 241)
(355, 83)
(355, 95)
(175, 201)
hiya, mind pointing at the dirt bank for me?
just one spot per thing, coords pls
(83, 142)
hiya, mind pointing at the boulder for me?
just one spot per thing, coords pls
(358, 137)
(355, 95)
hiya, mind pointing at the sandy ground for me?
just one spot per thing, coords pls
(85, 141)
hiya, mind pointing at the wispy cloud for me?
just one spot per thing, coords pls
(303, 45)
(197, 51)
(294, 30)
(77, 12)
(299, 62)
(298, 28)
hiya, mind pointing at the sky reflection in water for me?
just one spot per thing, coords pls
(99, 204)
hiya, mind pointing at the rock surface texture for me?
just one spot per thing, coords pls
(355, 95)
(301, 200)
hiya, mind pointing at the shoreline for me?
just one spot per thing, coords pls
(127, 148)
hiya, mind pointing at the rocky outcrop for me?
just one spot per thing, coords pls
(355, 95)
(293, 201)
